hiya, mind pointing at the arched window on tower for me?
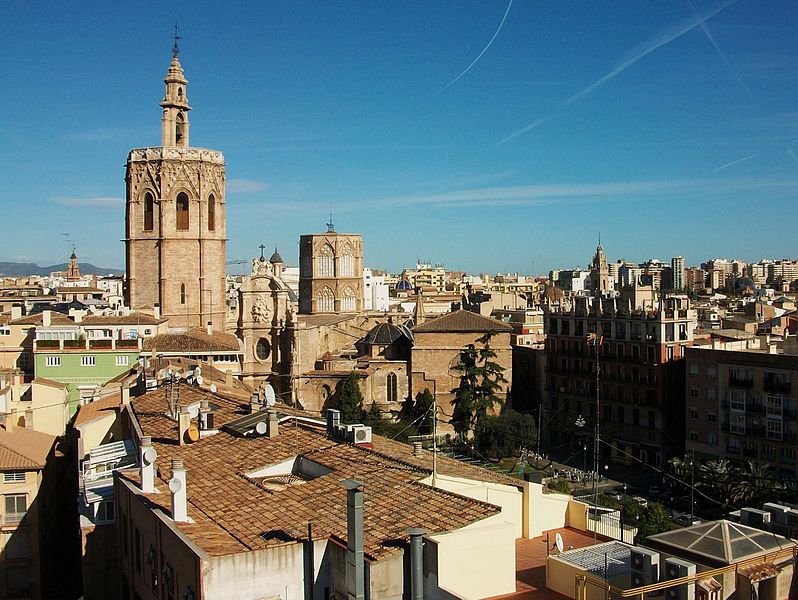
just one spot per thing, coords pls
(325, 301)
(211, 213)
(182, 293)
(390, 387)
(149, 209)
(347, 262)
(326, 262)
(181, 210)
(348, 300)
(180, 128)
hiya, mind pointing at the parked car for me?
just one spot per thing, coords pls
(685, 521)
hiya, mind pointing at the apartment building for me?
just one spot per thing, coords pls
(640, 377)
(741, 406)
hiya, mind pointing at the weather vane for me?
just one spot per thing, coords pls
(176, 48)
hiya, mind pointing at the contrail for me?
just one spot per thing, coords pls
(638, 53)
(723, 57)
(485, 49)
(734, 162)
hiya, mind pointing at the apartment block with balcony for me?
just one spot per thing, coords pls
(741, 405)
(640, 377)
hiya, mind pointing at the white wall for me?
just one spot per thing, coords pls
(509, 498)
(543, 511)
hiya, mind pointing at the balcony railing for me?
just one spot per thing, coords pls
(739, 382)
(774, 386)
(12, 519)
(83, 345)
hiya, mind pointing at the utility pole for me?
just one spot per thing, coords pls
(595, 339)
(692, 485)
(434, 441)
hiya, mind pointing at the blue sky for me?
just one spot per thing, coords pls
(668, 127)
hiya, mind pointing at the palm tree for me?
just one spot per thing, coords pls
(753, 484)
(716, 476)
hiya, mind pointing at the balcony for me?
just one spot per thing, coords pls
(740, 382)
(776, 386)
(83, 345)
(12, 519)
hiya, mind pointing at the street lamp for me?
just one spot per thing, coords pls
(580, 423)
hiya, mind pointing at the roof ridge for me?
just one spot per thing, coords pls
(30, 459)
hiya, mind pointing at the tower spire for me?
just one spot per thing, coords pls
(176, 48)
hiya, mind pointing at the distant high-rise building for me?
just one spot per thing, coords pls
(175, 220)
(330, 272)
(678, 272)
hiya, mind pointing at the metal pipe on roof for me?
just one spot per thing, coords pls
(416, 562)
(355, 555)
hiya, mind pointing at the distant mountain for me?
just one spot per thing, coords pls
(15, 269)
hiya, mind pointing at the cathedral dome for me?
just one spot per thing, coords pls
(404, 285)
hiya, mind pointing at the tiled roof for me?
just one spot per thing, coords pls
(50, 383)
(462, 321)
(56, 318)
(136, 318)
(24, 449)
(232, 512)
(193, 340)
(96, 409)
(79, 290)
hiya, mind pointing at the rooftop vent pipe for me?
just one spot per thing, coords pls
(355, 564)
(147, 457)
(177, 485)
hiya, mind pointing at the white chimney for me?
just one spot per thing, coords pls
(156, 310)
(177, 485)
(209, 328)
(147, 457)
(16, 312)
(46, 318)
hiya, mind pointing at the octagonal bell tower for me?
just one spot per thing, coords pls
(175, 220)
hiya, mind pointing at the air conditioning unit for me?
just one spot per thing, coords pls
(361, 434)
(676, 568)
(644, 567)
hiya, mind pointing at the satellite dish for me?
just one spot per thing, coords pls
(260, 428)
(199, 380)
(271, 397)
(197, 372)
(150, 454)
(175, 485)
(177, 375)
(213, 388)
(557, 540)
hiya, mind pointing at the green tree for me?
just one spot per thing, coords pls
(421, 412)
(560, 485)
(503, 435)
(480, 382)
(351, 400)
(753, 484)
(649, 520)
(716, 476)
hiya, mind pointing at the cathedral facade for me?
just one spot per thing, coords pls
(175, 234)
(330, 273)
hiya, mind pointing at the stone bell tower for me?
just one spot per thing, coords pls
(175, 235)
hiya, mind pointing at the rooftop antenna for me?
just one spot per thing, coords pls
(330, 226)
(176, 48)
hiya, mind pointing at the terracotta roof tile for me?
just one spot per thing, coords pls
(24, 449)
(135, 318)
(96, 409)
(56, 318)
(256, 513)
(462, 321)
(193, 340)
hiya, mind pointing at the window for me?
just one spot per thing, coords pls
(5, 330)
(180, 127)
(712, 417)
(712, 439)
(105, 512)
(733, 446)
(347, 262)
(693, 412)
(211, 213)
(325, 262)
(712, 372)
(693, 391)
(390, 387)
(669, 353)
(737, 400)
(711, 394)
(693, 436)
(348, 300)
(182, 293)
(87, 361)
(325, 302)
(122, 361)
(52, 361)
(14, 477)
(181, 211)
(16, 505)
(149, 211)
(737, 423)
(17, 544)
(773, 404)
(774, 429)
